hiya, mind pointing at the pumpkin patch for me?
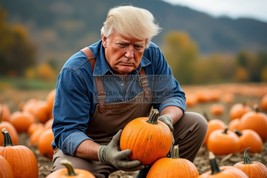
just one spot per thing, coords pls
(202, 102)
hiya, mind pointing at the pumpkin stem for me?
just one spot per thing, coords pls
(213, 164)
(238, 133)
(225, 130)
(247, 159)
(153, 118)
(175, 151)
(7, 138)
(69, 167)
(256, 108)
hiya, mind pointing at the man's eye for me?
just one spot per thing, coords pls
(122, 45)
(138, 47)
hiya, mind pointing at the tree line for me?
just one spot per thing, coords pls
(18, 59)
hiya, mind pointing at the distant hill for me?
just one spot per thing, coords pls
(61, 27)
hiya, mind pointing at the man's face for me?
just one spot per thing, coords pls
(123, 54)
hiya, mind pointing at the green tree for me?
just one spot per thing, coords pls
(181, 53)
(16, 50)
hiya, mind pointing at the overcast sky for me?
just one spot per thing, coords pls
(256, 9)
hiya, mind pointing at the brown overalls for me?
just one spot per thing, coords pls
(108, 118)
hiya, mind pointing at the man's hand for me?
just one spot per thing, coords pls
(119, 159)
(167, 120)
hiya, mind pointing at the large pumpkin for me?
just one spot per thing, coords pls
(148, 139)
(253, 169)
(5, 168)
(221, 171)
(21, 159)
(173, 167)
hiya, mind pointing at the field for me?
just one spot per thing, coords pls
(200, 99)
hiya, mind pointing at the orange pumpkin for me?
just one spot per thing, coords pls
(253, 169)
(234, 124)
(191, 100)
(263, 102)
(250, 138)
(11, 129)
(5, 168)
(50, 98)
(69, 172)
(4, 112)
(21, 120)
(148, 139)
(255, 120)
(217, 109)
(213, 124)
(21, 159)
(221, 171)
(33, 127)
(38, 108)
(173, 167)
(45, 144)
(34, 137)
(223, 142)
(238, 110)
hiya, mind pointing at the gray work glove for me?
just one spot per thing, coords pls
(119, 159)
(167, 120)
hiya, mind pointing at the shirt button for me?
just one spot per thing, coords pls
(122, 84)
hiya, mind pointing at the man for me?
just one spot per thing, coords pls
(113, 81)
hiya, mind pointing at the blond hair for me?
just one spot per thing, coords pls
(130, 21)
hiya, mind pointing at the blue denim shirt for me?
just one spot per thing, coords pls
(76, 92)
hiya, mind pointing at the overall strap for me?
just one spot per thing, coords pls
(100, 88)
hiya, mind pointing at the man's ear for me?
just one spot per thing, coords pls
(104, 41)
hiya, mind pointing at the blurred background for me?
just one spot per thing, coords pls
(203, 44)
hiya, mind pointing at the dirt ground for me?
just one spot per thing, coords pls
(243, 92)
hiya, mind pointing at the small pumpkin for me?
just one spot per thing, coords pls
(250, 138)
(22, 120)
(45, 144)
(21, 159)
(255, 120)
(234, 124)
(38, 108)
(253, 169)
(50, 99)
(213, 124)
(263, 102)
(4, 112)
(223, 171)
(5, 168)
(217, 109)
(11, 129)
(173, 167)
(69, 172)
(238, 110)
(148, 138)
(223, 142)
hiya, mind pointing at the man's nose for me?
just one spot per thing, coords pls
(129, 51)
